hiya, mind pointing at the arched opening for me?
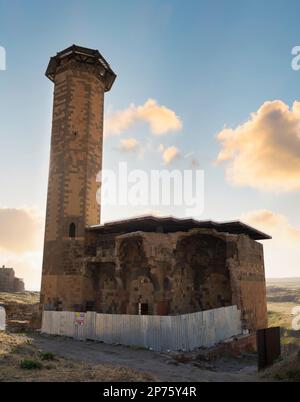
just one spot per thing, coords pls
(72, 230)
(136, 277)
(201, 266)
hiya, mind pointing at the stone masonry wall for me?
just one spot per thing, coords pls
(178, 273)
(170, 273)
(8, 281)
(248, 282)
(76, 158)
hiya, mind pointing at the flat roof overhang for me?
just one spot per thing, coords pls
(171, 225)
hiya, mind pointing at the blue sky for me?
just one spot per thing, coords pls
(212, 62)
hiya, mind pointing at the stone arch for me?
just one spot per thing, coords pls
(201, 265)
(107, 299)
(139, 283)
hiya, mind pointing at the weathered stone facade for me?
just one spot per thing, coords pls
(182, 271)
(81, 76)
(140, 266)
(8, 281)
(176, 273)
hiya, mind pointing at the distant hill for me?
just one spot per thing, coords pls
(20, 298)
(282, 280)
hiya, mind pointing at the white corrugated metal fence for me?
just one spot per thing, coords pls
(183, 332)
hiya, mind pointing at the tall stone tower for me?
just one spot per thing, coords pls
(81, 76)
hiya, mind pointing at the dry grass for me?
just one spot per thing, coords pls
(20, 298)
(9, 342)
(282, 296)
(287, 369)
(16, 348)
(280, 314)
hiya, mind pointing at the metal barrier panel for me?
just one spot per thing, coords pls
(161, 333)
(268, 346)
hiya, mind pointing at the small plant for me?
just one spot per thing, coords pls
(28, 364)
(48, 356)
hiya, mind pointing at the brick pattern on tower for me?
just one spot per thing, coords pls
(80, 76)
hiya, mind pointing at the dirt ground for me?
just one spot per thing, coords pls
(161, 367)
(22, 360)
(94, 361)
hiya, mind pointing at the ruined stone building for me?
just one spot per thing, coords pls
(148, 265)
(8, 281)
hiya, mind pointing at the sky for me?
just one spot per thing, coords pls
(204, 84)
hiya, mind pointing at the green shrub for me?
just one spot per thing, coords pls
(28, 364)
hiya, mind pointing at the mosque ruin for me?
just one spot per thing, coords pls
(148, 265)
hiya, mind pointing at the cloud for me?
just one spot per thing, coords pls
(21, 229)
(277, 225)
(21, 243)
(26, 265)
(264, 152)
(282, 253)
(169, 154)
(129, 144)
(160, 118)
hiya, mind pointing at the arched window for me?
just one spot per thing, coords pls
(72, 230)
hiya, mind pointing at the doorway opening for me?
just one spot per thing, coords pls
(143, 309)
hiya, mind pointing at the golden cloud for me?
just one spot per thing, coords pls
(129, 144)
(169, 154)
(264, 152)
(26, 265)
(277, 225)
(282, 253)
(21, 243)
(21, 230)
(160, 118)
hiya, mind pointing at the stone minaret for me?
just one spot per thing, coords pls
(80, 77)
